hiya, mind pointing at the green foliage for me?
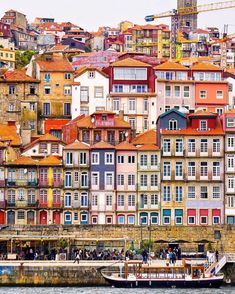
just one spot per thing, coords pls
(1, 46)
(87, 49)
(62, 243)
(70, 56)
(23, 58)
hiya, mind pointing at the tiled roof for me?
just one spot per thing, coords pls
(44, 138)
(23, 160)
(126, 146)
(50, 160)
(118, 123)
(84, 69)
(102, 145)
(147, 138)
(77, 145)
(170, 65)
(149, 148)
(205, 66)
(17, 76)
(57, 63)
(130, 62)
(202, 113)
(8, 133)
(2, 145)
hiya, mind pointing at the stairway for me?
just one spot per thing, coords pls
(215, 267)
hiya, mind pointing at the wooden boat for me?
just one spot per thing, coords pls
(139, 275)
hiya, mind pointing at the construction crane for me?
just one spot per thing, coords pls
(177, 14)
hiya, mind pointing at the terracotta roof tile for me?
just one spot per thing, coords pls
(205, 66)
(118, 123)
(77, 145)
(57, 63)
(44, 138)
(23, 160)
(170, 65)
(8, 133)
(17, 76)
(102, 145)
(50, 160)
(202, 113)
(130, 62)
(126, 146)
(147, 138)
(149, 148)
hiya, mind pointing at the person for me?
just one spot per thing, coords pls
(217, 255)
(36, 256)
(145, 256)
(77, 257)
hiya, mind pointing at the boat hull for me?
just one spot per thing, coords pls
(179, 283)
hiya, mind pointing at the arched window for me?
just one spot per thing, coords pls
(173, 125)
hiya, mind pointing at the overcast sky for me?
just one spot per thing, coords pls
(90, 14)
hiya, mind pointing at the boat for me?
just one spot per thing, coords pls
(136, 274)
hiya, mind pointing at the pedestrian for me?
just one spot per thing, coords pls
(145, 256)
(77, 257)
(217, 255)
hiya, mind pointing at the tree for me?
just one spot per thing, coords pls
(23, 58)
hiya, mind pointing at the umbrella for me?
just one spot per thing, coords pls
(161, 241)
(203, 241)
(180, 241)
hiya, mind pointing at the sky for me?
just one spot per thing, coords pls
(90, 14)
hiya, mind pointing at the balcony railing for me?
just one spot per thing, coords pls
(21, 203)
(57, 183)
(56, 204)
(32, 183)
(43, 205)
(43, 183)
(11, 183)
(10, 204)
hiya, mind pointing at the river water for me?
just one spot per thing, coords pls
(108, 290)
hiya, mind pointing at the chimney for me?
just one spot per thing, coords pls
(11, 123)
(121, 114)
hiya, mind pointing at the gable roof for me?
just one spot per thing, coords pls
(126, 146)
(44, 138)
(84, 69)
(130, 62)
(173, 110)
(102, 145)
(205, 66)
(50, 160)
(23, 160)
(58, 63)
(171, 65)
(9, 133)
(17, 75)
(148, 137)
(202, 114)
(77, 145)
(149, 147)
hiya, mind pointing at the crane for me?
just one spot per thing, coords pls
(177, 14)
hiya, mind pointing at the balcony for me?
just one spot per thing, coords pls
(32, 204)
(3, 204)
(11, 183)
(2, 183)
(56, 204)
(149, 167)
(10, 204)
(32, 183)
(43, 183)
(21, 203)
(22, 182)
(57, 183)
(43, 205)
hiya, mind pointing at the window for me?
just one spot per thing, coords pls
(131, 180)
(146, 123)
(120, 200)
(231, 201)
(231, 183)
(56, 196)
(143, 180)
(167, 169)
(216, 220)
(84, 93)
(84, 199)
(121, 219)
(83, 158)
(178, 169)
(167, 146)
(191, 192)
(216, 145)
(67, 76)
(21, 195)
(99, 92)
(166, 193)
(154, 160)
(154, 199)
(11, 107)
(154, 180)
(179, 145)
(91, 74)
(177, 91)
(109, 179)
(95, 158)
(204, 194)
(32, 90)
(12, 89)
(216, 192)
(230, 142)
(120, 180)
(173, 125)
(47, 90)
(203, 220)
(68, 179)
(130, 74)
(67, 90)
(75, 216)
(191, 220)
(168, 91)
(109, 200)
(204, 169)
(132, 122)
(186, 92)
(46, 109)
(131, 159)
(203, 94)
(21, 215)
(84, 180)
(131, 219)
(95, 179)
(191, 169)
(230, 123)
(167, 108)
(109, 220)
(231, 161)
(31, 197)
(216, 169)
(219, 94)
(94, 200)
(178, 194)
(43, 196)
(146, 104)
(120, 159)
(109, 158)
(47, 77)
(55, 148)
(204, 145)
(132, 105)
(203, 125)
(191, 145)
(69, 158)
(219, 111)
(116, 105)
(131, 200)
(143, 160)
